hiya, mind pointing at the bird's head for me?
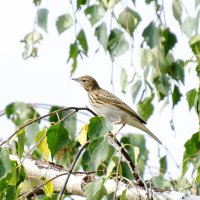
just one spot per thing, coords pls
(87, 82)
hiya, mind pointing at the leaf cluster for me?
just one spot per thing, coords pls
(56, 141)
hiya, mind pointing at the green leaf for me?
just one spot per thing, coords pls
(161, 60)
(95, 190)
(20, 174)
(123, 80)
(86, 161)
(176, 95)
(130, 142)
(162, 84)
(21, 142)
(135, 89)
(148, 1)
(5, 163)
(197, 2)
(133, 2)
(195, 45)
(191, 98)
(112, 164)
(198, 69)
(37, 2)
(192, 146)
(109, 196)
(177, 10)
(20, 112)
(98, 127)
(101, 33)
(83, 41)
(110, 3)
(63, 23)
(31, 131)
(163, 165)
(80, 3)
(30, 40)
(177, 71)
(73, 54)
(146, 57)
(74, 51)
(123, 196)
(160, 182)
(57, 137)
(70, 124)
(197, 180)
(126, 171)
(129, 20)
(96, 13)
(197, 20)
(145, 108)
(10, 193)
(188, 26)
(42, 18)
(117, 44)
(98, 149)
(151, 35)
(169, 40)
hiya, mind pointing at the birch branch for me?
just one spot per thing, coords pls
(37, 169)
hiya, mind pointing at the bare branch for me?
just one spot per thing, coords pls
(44, 116)
(71, 169)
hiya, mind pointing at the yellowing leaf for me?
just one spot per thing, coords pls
(136, 152)
(82, 137)
(48, 189)
(40, 135)
(61, 152)
(43, 147)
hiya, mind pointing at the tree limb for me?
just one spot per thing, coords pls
(38, 169)
(44, 116)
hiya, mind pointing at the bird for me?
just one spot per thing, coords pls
(114, 109)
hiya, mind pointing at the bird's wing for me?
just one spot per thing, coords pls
(112, 100)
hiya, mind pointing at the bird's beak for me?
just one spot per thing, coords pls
(74, 79)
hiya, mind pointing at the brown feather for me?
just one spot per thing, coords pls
(112, 101)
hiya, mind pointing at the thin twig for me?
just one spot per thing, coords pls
(43, 105)
(2, 112)
(126, 156)
(47, 115)
(39, 186)
(63, 119)
(71, 169)
(75, 18)
(117, 174)
(28, 153)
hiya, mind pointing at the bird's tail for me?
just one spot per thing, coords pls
(145, 129)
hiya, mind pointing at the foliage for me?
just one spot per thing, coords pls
(162, 71)
(116, 27)
(57, 142)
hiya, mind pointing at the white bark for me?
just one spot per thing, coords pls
(37, 169)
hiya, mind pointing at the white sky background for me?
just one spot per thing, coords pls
(46, 79)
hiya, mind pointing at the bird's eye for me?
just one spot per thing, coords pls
(84, 80)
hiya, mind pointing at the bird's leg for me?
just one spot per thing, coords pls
(119, 129)
(120, 121)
